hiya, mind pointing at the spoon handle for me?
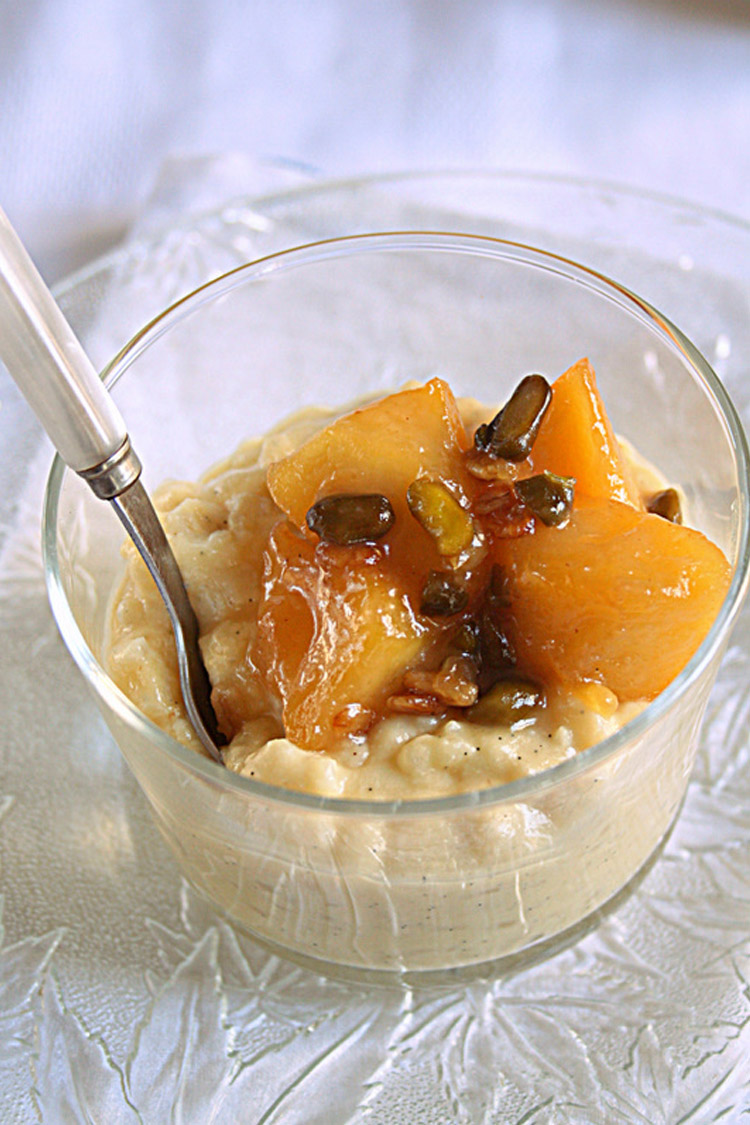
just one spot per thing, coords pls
(40, 350)
(142, 525)
(49, 365)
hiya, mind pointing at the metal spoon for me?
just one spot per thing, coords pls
(57, 378)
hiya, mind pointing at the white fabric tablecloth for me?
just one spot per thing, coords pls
(123, 997)
(96, 94)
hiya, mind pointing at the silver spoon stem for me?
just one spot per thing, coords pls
(141, 522)
(57, 378)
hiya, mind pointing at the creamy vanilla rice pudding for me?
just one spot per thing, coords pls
(383, 892)
(218, 527)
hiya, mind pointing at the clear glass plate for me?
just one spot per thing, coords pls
(124, 998)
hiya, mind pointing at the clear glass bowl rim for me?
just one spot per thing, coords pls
(323, 185)
(306, 254)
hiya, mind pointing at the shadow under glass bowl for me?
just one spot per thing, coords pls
(377, 887)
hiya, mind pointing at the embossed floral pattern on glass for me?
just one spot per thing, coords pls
(124, 997)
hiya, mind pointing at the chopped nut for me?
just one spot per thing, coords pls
(496, 651)
(509, 700)
(496, 654)
(512, 432)
(666, 504)
(506, 515)
(442, 596)
(349, 518)
(435, 507)
(550, 497)
(466, 639)
(454, 683)
(481, 465)
(354, 719)
(407, 703)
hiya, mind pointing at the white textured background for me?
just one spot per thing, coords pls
(96, 94)
(122, 998)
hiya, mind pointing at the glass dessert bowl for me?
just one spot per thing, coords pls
(501, 873)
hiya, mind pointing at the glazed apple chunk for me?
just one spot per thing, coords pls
(342, 623)
(421, 570)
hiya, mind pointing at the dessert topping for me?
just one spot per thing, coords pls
(504, 513)
(550, 497)
(442, 596)
(509, 700)
(666, 504)
(513, 430)
(454, 684)
(438, 511)
(345, 519)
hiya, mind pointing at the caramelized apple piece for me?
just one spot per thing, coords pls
(335, 633)
(381, 448)
(576, 440)
(511, 434)
(612, 596)
(616, 596)
(339, 626)
(384, 448)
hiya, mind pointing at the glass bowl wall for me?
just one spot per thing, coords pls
(427, 885)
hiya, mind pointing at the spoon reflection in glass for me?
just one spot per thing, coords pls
(57, 378)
